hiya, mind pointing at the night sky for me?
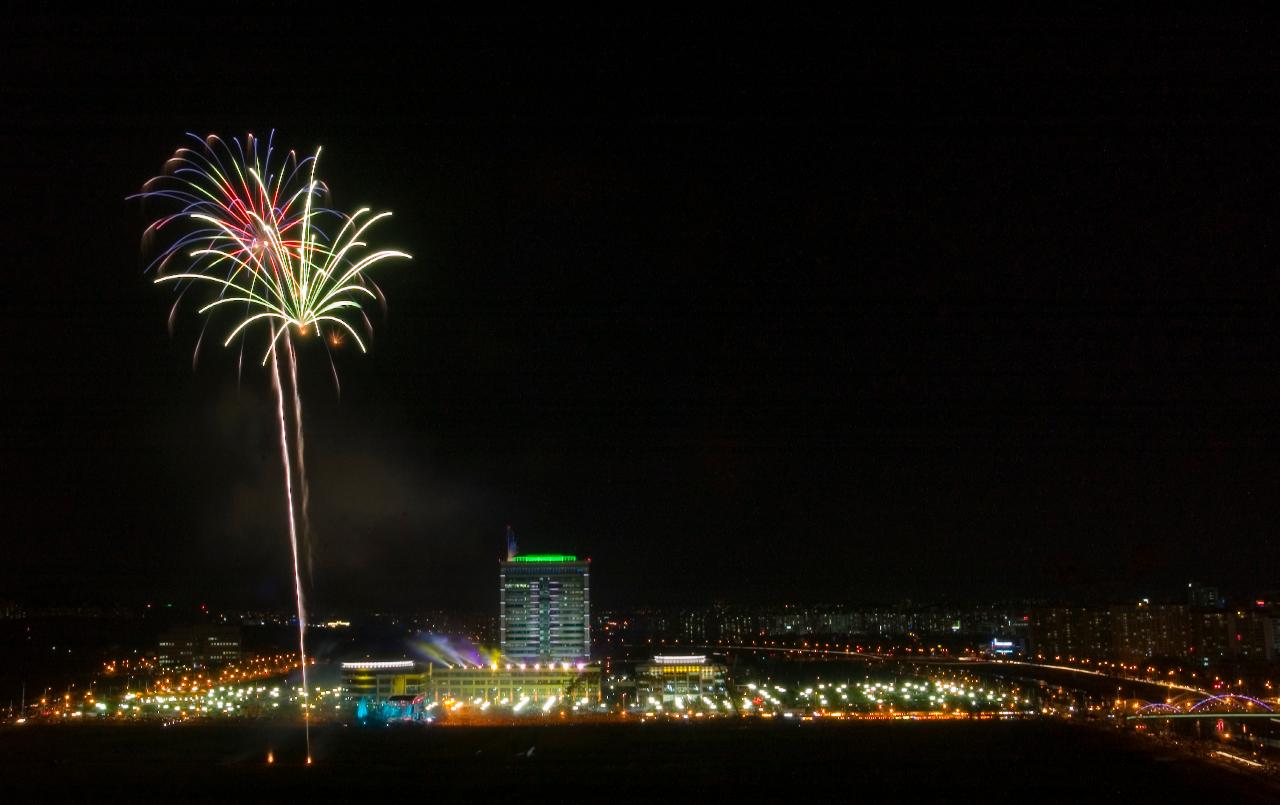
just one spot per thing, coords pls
(755, 311)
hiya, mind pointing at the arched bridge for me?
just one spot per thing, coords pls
(1226, 705)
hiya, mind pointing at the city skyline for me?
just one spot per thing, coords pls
(885, 406)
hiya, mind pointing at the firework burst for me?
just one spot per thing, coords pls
(259, 241)
(255, 234)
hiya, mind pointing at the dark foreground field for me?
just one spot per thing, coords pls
(869, 761)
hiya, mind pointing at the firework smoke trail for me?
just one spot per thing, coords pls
(254, 239)
(293, 541)
(300, 444)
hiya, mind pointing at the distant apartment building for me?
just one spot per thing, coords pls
(1071, 632)
(731, 623)
(1271, 638)
(1209, 635)
(735, 623)
(1202, 596)
(1132, 632)
(1248, 635)
(693, 624)
(198, 646)
(1149, 630)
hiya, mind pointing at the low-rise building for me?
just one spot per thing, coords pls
(376, 682)
(511, 682)
(666, 678)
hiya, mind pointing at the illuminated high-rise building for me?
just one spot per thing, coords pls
(545, 608)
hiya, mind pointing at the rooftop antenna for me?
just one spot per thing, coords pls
(511, 544)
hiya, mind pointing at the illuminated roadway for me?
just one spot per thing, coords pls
(956, 662)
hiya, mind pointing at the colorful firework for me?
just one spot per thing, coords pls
(259, 241)
(254, 234)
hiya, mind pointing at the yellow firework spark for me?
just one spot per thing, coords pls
(258, 240)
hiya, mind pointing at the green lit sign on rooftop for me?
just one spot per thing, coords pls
(545, 557)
